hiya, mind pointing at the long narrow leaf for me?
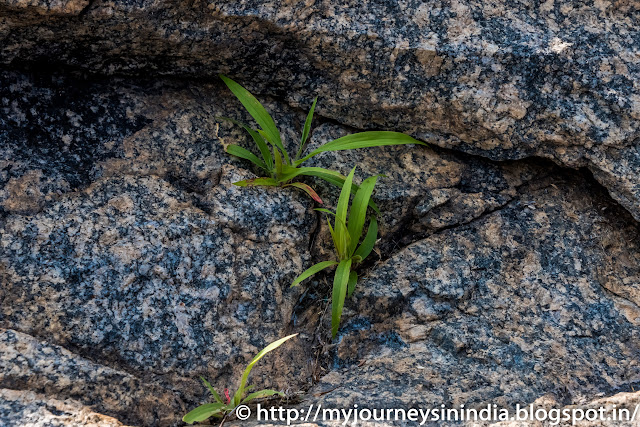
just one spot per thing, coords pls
(203, 412)
(313, 270)
(343, 237)
(278, 164)
(341, 215)
(351, 285)
(290, 172)
(256, 110)
(330, 176)
(343, 200)
(340, 281)
(260, 394)
(307, 128)
(369, 240)
(333, 234)
(212, 390)
(358, 212)
(237, 397)
(363, 140)
(257, 138)
(255, 182)
(327, 211)
(243, 153)
(277, 144)
(307, 189)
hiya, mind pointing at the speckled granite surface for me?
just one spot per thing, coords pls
(540, 297)
(28, 409)
(27, 363)
(503, 79)
(129, 265)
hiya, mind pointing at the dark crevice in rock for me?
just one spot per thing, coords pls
(315, 232)
(310, 311)
(396, 242)
(63, 121)
(44, 69)
(113, 362)
(152, 382)
(316, 296)
(87, 8)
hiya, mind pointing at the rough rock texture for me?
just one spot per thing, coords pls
(128, 271)
(28, 409)
(29, 364)
(502, 79)
(421, 190)
(130, 265)
(538, 298)
(151, 268)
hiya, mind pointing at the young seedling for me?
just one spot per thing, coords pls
(346, 236)
(222, 407)
(276, 162)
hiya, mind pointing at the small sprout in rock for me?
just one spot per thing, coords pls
(276, 162)
(346, 236)
(221, 407)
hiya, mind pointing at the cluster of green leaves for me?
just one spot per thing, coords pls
(347, 230)
(276, 162)
(346, 234)
(220, 408)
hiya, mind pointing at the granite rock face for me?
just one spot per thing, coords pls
(421, 190)
(28, 409)
(29, 364)
(539, 298)
(130, 272)
(504, 79)
(130, 264)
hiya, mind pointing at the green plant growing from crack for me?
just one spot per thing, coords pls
(281, 169)
(220, 407)
(346, 234)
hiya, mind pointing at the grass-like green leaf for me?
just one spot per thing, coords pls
(345, 239)
(255, 182)
(260, 394)
(332, 177)
(243, 153)
(257, 138)
(351, 284)
(256, 110)
(277, 145)
(369, 241)
(323, 210)
(290, 172)
(341, 217)
(278, 164)
(307, 128)
(212, 390)
(358, 212)
(307, 189)
(340, 283)
(239, 394)
(313, 270)
(205, 411)
(333, 234)
(362, 140)
(220, 408)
